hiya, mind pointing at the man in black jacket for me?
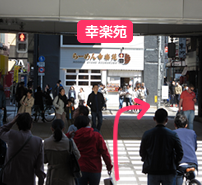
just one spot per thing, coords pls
(161, 151)
(172, 93)
(96, 102)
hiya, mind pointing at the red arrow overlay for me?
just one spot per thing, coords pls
(144, 106)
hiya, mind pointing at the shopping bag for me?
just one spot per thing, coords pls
(108, 181)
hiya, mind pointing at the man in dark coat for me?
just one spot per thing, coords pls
(96, 102)
(161, 151)
(38, 102)
(172, 93)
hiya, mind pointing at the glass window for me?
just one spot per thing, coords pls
(70, 76)
(96, 77)
(83, 83)
(70, 83)
(71, 71)
(83, 77)
(92, 83)
(83, 71)
(95, 71)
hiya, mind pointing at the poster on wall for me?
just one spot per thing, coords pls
(113, 84)
(113, 87)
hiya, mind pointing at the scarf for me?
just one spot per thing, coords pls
(63, 98)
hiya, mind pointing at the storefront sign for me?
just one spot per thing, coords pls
(16, 69)
(96, 58)
(107, 57)
(3, 64)
(104, 31)
(182, 47)
(164, 92)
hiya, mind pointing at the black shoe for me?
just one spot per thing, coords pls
(43, 120)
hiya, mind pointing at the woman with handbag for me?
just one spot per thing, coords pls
(24, 156)
(91, 146)
(56, 154)
(60, 103)
(27, 103)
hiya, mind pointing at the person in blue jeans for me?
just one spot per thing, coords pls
(188, 140)
(96, 102)
(2, 104)
(161, 151)
(187, 101)
(121, 97)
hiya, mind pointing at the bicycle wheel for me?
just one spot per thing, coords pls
(194, 182)
(49, 114)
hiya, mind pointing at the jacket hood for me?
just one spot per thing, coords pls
(83, 135)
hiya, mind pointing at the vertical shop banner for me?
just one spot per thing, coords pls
(16, 68)
(104, 31)
(4, 64)
(182, 47)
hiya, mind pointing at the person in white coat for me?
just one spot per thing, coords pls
(81, 97)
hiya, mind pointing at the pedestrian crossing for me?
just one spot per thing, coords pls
(130, 164)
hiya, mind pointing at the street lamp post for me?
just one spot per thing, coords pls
(159, 74)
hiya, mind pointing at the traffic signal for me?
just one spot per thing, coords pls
(22, 42)
(171, 50)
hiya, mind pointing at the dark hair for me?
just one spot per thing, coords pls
(191, 86)
(161, 115)
(81, 121)
(24, 121)
(57, 125)
(30, 91)
(38, 89)
(82, 89)
(180, 121)
(61, 89)
(59, 81)
(120, 88)
(83, 110)
(95, 85)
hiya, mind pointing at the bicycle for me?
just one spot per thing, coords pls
(49, 113)
(189, 175)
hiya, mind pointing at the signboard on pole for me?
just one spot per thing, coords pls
(41, 64)
(182, 47)
(164, 92)
(41, 58)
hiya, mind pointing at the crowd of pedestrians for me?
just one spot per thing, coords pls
(127, 94)
(164, 152)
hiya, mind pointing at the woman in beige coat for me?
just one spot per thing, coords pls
(27, 103)
(60, 103)
(56, 154)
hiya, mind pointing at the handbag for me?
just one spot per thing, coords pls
(180, 113)
(108, 181)
(4, 166)
(73, 162)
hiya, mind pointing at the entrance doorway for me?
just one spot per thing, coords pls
(124, 81)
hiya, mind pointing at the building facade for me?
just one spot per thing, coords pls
(113, 65)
